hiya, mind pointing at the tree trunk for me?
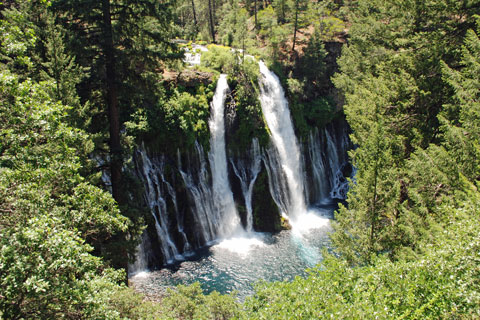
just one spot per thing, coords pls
(114, 120)
(295, 26)
(194, 16)
(214, 10)
(255, 10)
(212, 26)
(112, 101)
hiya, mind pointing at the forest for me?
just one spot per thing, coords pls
(87, 86)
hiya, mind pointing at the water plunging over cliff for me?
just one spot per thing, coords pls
(200, 193)
(222, 193)
(194, 210)
(213, 209)
(152, 175)
(277, 115)
(247, 170)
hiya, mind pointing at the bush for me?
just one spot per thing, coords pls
(218, 58)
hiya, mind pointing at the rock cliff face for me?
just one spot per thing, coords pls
(178, 191)
(189, 78)
(178, 186)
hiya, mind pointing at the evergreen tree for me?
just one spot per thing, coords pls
(124, 44)
(299, 9)
(392, 68)
(462, 119)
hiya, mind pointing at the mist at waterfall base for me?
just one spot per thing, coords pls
(224, 255)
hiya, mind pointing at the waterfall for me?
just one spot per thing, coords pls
(328, 159)
(320, 181)
(197, 184)
(213, 206)
(277, 182)
(277, 115)
(210, 214)
(222, 193)
(155, 199)
(180, 227)
(339, 185)
(247, 171)
(140, 263)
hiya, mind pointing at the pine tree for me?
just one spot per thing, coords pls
(363, 227)
(462, 130)
(61, 67)
(392, 68)
(299, 9)
(125, 44)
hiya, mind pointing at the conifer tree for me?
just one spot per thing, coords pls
(462, 130)
(299, 9)
(392, 64)
(61, 67)
(124, 44)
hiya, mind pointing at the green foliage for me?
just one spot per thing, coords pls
(411, 93)
(47, 272)
(189, 302)
(312, 66)
(275, 35)
(243, 82)
(219, 58)
(282, 9)
(234, 27)
(40, 152)
(442, 284)
(461, 121)
(243, 73)
(267, 20)
(48, 211)
(61, 69)
(17, 40)
(394, 91)
(189, 113)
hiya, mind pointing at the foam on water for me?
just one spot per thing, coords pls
(142, 274)
(309, 221)
(241, 245)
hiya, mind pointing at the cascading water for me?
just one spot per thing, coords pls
(180, 227)
(277, 182)
(214, 208)
(155, 198)
(140, 264)
(222, 193)
(277, 115)
(200, 192)
(339, 185)
(320, 180)
(236, 258)
(328, 159)
(247, 171)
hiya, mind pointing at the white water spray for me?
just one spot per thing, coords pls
(277, 115)
(247, 174)
(155, 198)
(200, 192)
(222, 193)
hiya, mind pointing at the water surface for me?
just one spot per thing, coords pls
(236, 264)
